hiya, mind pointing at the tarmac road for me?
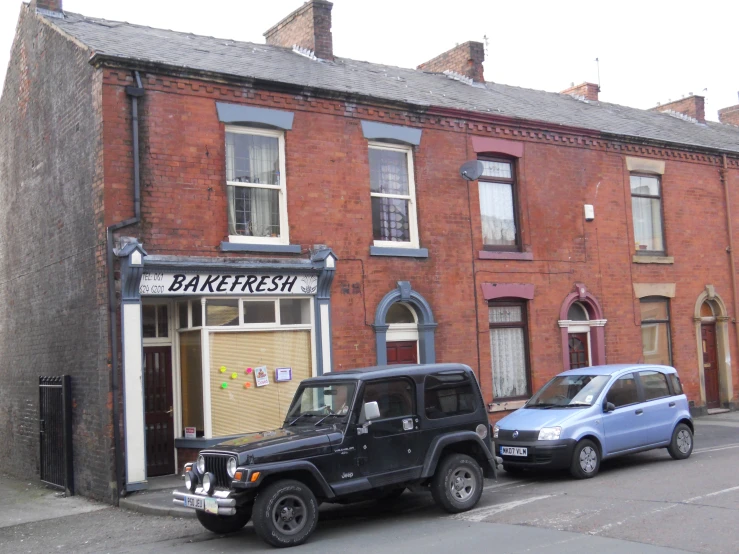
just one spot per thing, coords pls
(646, 503)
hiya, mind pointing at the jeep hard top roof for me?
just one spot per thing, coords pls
(377, 372)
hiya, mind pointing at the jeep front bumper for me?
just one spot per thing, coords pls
(221, 503)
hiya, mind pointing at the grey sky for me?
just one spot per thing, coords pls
(650, 51)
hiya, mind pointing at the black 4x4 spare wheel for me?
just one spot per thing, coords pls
(457, 483)
(285, 513)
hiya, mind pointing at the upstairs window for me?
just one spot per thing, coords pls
(255, 179)
(498, 205)
(393, 195)
(646, 209)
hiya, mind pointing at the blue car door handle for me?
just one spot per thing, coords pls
(639, 412)
(672, 404)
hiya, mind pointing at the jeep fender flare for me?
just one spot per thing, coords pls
(272, 469)
(439, 443)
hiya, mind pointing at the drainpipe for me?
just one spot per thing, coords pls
(135, 92)
(725, 181)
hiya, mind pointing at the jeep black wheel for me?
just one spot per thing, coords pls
(224, 524)
(457, 483)
(285, 513)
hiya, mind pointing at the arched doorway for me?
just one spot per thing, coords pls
(581, 325)
(402, 334)
(714, 357)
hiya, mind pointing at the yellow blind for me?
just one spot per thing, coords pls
(237, 409)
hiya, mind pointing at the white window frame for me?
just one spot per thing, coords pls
(281, 187)
(411, 197)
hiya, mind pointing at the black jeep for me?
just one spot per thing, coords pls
(350, 436)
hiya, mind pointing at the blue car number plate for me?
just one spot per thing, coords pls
(513, 451)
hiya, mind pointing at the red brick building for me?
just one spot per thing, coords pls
(195, 211)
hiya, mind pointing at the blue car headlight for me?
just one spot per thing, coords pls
(550, 433)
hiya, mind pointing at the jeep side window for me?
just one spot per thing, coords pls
(394, 397)
(623, 391)
(448, 395)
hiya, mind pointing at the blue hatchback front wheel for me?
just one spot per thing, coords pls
(585, 460)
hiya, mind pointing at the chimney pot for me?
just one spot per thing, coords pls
(465, 59)
(693, 106)
(587, 90)
(308, 27)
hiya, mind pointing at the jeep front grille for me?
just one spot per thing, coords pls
(217, 466)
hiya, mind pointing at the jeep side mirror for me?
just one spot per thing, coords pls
(608, 407)
(371, 411)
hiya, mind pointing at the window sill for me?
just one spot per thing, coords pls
(653, 259)
(490, 255)
(506, 406)
(269, 248)
(399, 252)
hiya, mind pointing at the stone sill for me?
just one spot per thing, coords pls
(490, 255)
(653, 259)
(506, 406)
(268, 248)
(399, 252)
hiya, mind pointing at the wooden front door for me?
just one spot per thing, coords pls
(159, 416)
(402, 352)
(710, 365)
(578, 350)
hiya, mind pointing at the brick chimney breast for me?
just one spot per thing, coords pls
(308, 27)
(465, 59)
(589, 91)
(48, 5)
(693, 106)
(729, 115)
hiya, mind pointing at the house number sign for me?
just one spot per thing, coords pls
(179, 284)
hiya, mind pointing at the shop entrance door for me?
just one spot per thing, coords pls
(710, 365)
(159, 419)
(402, 352)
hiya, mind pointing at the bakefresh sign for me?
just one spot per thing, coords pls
(179, 284)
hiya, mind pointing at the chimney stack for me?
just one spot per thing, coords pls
(47, 5)
(465, 59)
(587, 90)
(729, 115)
(308, 27)
(692, 106)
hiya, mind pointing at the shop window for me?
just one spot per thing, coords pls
(259, 311)
(646, 208)
(393, 196)
(498, 205)
(655, 330)
(509, 349)
(221, 312)
(191, 377)
(294, 311)
(155, 321)
(255, 179)
(448, 394)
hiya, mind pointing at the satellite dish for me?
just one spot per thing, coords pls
(471, 171)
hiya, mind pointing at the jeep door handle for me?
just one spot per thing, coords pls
(639, 412)
(672, 404)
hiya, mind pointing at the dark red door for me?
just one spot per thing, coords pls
(405, 352)
(159, 420)
(710, 366)
(578, 350)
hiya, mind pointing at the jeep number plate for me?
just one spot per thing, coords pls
(513, 451)
(209, 505)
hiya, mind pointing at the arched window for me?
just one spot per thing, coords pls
(581, 326)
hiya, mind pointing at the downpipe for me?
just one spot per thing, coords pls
(725, 181)
(135, 92)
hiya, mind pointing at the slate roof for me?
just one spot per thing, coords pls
(243, 59)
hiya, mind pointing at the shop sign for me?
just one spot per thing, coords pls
(201, 284)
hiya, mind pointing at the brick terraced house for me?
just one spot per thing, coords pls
(192, 225)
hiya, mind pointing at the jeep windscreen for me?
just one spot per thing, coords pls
(569, 391)
(315, 403)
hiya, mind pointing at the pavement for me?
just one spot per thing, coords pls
(645, 503)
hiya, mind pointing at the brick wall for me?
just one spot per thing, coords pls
(53, 319)
(328, 202)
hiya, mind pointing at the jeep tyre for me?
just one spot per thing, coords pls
(681, 445)
(457, 483)
(585, 460)
(285, 513)
(224, 524)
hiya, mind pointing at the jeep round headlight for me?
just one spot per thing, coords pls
(550, 433)
(209, 483)
(201, 464)
(191, 481)
(495, 431)
(231, 467)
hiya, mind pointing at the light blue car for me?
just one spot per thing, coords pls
(583, 416)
